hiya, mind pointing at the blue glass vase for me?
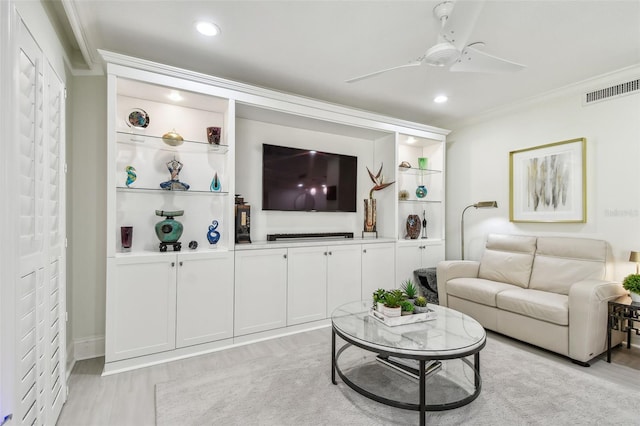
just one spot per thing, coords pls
(421, 191)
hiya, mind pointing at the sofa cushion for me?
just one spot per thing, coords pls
(477, 289)
(542, 305)
(560, 261)
(508, 259)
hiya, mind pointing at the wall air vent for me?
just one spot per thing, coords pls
(614, 91)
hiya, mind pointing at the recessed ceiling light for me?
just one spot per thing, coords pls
(207, 28)
(174, 96)
(440, 99)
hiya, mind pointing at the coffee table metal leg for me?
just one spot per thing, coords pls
(476, 364)
(423, 392)
(333, 357)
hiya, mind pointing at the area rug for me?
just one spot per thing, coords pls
(519, 388)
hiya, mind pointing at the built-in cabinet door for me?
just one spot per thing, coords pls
(344, 276)
(378, 268)
(204, 298)
(410, 257)
(260, 290)
(141, 306)
(307, 284)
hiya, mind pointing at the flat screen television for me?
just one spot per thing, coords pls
(296, 179)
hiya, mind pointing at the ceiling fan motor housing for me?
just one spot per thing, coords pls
(441, 54)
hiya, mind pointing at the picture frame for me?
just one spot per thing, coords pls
(548, 183)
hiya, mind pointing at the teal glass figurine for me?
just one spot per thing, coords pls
(421, 191)
(131, 176)
(215, 186)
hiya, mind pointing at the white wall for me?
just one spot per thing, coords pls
(478, 169)
(250, 135)
(86, 213)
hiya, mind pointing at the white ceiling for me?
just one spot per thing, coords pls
(311, 47)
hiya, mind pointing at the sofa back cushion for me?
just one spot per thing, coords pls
(508, 259)
(561, 261)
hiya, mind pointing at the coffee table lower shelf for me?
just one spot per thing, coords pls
(423, 374)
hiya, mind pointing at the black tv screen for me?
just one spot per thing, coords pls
(306, 180)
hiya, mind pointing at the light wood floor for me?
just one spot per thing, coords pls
(129, 398)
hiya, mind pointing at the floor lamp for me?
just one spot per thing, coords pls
(478, 205)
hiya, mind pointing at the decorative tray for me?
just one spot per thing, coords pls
(404, 319)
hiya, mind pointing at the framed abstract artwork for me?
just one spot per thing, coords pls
(548, 183)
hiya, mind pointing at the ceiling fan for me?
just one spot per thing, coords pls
(452, 49)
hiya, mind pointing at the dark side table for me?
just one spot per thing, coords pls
(624, 315)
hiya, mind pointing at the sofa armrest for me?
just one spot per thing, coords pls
(450, 269)
(588, 312)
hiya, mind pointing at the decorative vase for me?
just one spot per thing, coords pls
(369, 215)
(421, 191)
(635, 297)
(169, 230)
(213, 135)
(172, 138)
(126, 235)
(380, 307)
(413, 226)
(422, 163)
(213, 236)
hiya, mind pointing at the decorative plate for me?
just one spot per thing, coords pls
(138, 118)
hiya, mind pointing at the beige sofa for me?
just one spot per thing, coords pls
(547, 291)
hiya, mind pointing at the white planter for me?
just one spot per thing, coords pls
(392, 312)
(635, 297)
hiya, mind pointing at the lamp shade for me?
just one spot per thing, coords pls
(486, 204)
(634, 257)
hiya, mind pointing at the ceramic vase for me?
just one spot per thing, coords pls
(635, 297)
(413, 226)
(421, 191)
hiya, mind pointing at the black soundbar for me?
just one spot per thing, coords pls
(274, 237)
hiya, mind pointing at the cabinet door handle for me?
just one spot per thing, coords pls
(330, 253)
(284, 256)
(180, 263)
(325, 253)
(364, 250)
(173, 264)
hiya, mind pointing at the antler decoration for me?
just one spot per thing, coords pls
(378, 180)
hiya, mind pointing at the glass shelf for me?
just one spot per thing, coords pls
(157, 190)
(415, 171)
(419, 201)
(156, 142)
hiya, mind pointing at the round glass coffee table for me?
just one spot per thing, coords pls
(421, 366)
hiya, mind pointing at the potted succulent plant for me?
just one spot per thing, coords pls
(420, 305)
(378, 299)
(410, 290)
(406, 307)
(392, 302)
(632, 283)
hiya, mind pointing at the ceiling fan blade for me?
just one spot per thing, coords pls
(459, 25)
(473, 60)
(362, 77)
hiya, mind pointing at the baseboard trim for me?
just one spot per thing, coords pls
(87, 348)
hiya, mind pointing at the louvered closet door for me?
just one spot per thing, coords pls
(55, 246)
(41, 282)
(31, 309)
